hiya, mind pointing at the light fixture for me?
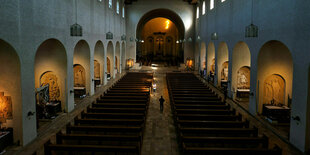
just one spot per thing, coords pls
(190, 39)
(251, 31)
(109, 35)
(76, 30)
(198, 38)
(177, 41)
(214, 36)
(123, 37)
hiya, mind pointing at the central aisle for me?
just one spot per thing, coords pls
(160, 134)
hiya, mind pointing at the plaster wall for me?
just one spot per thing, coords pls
(210, 57)
(274, 58)
(141, 7)
(10, 84)
(26, 24)
(229, 20)
(99, 56)
(51, 56)
(241, 57)
(203, 54)
(222, 56)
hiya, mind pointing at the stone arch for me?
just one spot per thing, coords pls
(241, 59)
(99, 57)
(111, 56)
(222, 64)
(82, 57)
(117, 56)
(274, 61)
(51, 68)
(10, 88)
(163, 13)
(211, 60)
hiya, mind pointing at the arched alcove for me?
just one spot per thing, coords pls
(123, 56)
(274, 75)
(117, 56)
(222, 64)
(110, 55)
(162, 45)
(81, 58)
(99, 57)
(10, 89)
(203, 56)
(50, 70)
(241, 65)
(211, 61)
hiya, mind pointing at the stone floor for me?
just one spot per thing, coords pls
(159, 136)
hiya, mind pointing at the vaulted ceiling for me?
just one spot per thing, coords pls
(189, 1)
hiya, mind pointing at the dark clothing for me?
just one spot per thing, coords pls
(161, 100)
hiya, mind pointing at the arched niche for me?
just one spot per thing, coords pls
(243, 78)
(51, 69)
(111, 56)
(108, 65)
(81, 58)
(79, 76)
(224, 72)
(117, 56)
(175, 21)
(211, 60)
(97, 70)
(116, 62)
(241, 64)
(203, 56)
(222, 64)
(123, 56)
(275, 62)
(10, 89)
(99, 57)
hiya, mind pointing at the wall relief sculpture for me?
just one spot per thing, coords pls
(5, 107)
(50, 79)
(243, 78)
(224, 72)
(79, 76)
(274, 90)
(96, 69)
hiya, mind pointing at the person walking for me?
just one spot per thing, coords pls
(161, 101)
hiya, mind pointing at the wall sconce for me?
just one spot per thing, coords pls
(190, 39)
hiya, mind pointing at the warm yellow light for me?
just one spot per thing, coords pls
(167, 24)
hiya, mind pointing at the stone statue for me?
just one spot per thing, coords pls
(243, 78)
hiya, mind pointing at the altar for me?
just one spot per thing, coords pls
(79, 91)
(277, 114)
